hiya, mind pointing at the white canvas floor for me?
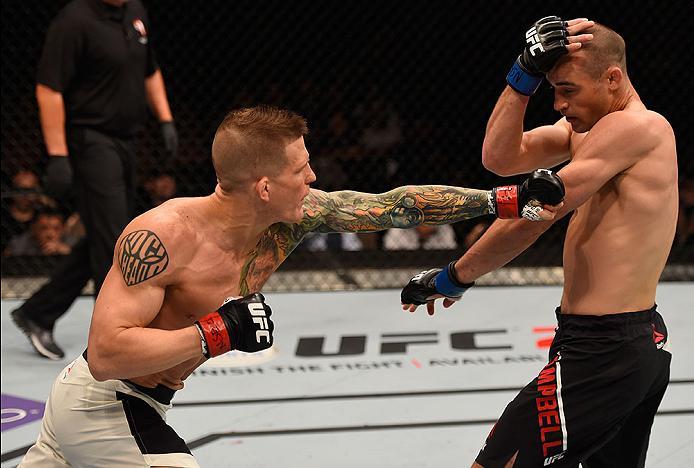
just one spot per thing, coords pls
(408, 390)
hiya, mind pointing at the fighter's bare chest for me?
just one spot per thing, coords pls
(208, 280)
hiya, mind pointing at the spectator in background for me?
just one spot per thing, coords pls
(161, 187)
(24, 201)
(158, 187)
(383, 132)
(338, 150)
(45, 236)
(21, 205)
(95, 78)
(74, 229)
(380, 142)
(421, 237)
(415, 160)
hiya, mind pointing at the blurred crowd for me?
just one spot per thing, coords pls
(34, 224)
(368, 147)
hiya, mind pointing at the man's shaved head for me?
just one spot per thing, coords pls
(607, 49)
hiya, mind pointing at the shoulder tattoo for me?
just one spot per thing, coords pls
(141, 256)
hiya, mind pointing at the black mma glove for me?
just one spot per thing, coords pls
(546, 42)
(514, 201)
(58, 178)
(432, 282)
(243, 324)
(170, 137)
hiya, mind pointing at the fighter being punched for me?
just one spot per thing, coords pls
(608, 368)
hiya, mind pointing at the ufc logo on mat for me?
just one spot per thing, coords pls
(533, 39)
(258, 313)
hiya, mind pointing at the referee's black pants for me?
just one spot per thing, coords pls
(103, 169)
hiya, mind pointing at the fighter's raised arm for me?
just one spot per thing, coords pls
(507, 149)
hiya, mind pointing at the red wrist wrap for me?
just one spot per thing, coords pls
(507, 201)
(216, 334)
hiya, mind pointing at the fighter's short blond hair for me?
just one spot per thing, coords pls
(251, 143)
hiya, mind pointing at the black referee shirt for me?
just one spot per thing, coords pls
(98, 56)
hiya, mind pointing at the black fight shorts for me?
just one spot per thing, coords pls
(595, 400)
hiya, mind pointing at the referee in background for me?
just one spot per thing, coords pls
(96, 77)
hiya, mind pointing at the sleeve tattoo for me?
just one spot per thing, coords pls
(403, 207)
(349, 211)
(141, 256)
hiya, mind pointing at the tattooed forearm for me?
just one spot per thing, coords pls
(359, 212)
(141, 256)
(402, 207)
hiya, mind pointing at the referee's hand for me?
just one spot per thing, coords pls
(170, 137)
(58, 178)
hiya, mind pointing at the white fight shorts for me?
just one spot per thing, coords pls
(90, 424)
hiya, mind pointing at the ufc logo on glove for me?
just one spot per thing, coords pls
(258, 313)
(240, 323)
(532, 38)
